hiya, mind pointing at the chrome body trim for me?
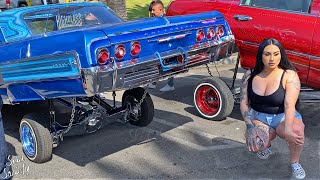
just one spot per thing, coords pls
(315, 57)
(314, 69)
(298, 54)
(250, 43)
(276, 9)
(187, 30)
(295, 63)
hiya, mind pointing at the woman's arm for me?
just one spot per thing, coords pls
(244, 102)
(292, 86)
(252, 132)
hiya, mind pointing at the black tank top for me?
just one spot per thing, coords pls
(271, 104)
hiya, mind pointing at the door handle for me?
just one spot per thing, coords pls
(242, 18)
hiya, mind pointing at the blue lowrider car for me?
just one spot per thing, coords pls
(56, 60)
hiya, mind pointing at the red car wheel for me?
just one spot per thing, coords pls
(208, 99)
(213, 99)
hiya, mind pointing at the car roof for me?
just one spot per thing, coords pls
(49, 6)
(15, 26)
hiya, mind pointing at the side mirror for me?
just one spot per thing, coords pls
(2, 37)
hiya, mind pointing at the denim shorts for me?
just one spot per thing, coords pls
(272, 120)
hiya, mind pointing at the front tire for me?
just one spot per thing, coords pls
(213, 99)
(144, 116)
(36, 139)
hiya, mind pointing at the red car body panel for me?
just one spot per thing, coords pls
(297, 31)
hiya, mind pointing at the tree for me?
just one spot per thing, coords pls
(119, 6)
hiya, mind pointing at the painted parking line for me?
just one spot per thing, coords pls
(176, 126)
(167, 135)
(175, 139)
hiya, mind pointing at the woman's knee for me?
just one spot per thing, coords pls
(298, 127)
(273, 134)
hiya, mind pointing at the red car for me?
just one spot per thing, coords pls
(295, 23)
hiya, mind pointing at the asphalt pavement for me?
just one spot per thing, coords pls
(178, 144)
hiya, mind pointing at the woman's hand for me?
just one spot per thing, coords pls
(292, 137)
(254, 134)
(252, 139)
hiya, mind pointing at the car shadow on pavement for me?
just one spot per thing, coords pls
(84, 149)
(11, 149)
(113, 138)
(171, 160)
(11, 121)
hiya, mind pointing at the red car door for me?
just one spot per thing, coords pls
(314, 71)
(180, 7)
(289, 21)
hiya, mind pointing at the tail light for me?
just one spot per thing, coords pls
(103, 56)
(200, 35)
(220, 31)
(135, 48)
(120, 51)
(8, 2)
(180, 59)
(210, 33)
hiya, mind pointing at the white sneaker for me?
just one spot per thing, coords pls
(151, 86)
(167, 88)
(297, 171)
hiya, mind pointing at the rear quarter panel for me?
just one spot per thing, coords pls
(51, 43)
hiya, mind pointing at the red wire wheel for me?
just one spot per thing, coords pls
(208, 99)
(213, 99)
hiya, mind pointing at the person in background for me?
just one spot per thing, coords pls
(268, 97)
(158, 10)
(150, 7)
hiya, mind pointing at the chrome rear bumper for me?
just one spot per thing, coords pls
(130, 74)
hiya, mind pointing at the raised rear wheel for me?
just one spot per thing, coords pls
(138, 116)
(213, 99)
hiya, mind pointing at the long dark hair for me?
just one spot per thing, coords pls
(285, 64)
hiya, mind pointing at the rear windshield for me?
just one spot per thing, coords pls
(69, 17)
